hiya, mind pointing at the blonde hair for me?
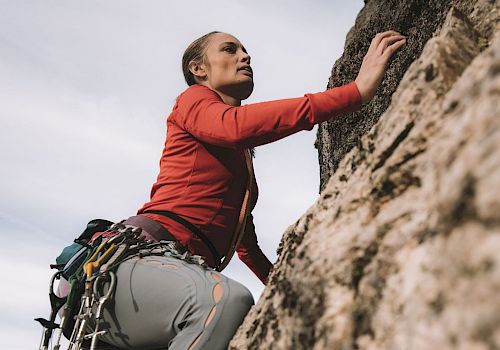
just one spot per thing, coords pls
(195, 52)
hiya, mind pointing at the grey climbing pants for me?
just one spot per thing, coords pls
(165, 302)
(162, 302)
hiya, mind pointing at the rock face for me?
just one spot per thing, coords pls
(418, 20)
(401, 250)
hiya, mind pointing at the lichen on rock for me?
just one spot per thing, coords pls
(400, 251)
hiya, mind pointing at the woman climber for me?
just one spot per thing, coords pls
(205, 192)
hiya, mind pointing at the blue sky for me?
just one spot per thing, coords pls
(85, 89)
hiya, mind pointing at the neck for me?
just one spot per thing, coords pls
(229, 100)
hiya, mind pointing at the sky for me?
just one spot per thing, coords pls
(85, 89)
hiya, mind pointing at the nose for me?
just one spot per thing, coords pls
(246, 57)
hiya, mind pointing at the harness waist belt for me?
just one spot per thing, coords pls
(151, 229)
(193, 229)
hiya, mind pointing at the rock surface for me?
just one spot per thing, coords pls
(418, 20)
(401, 250)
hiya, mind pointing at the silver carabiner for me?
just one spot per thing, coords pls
(100, 280)
(103, 299)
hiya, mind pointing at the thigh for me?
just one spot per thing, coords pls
(153, 296)
(220, 307)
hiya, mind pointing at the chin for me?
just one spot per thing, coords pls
(240, 90)
(244, 90)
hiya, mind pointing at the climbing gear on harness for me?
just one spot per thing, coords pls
(176, 251)
(67, 264)
(55, 303)
(103, 299)
(90, 272)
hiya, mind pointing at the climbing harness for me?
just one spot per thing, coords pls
(90, 272)
(193, 229)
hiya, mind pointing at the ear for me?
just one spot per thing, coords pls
(198, 70)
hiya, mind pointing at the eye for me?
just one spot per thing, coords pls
(229, 49)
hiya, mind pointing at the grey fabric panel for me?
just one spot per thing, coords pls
(162, 303)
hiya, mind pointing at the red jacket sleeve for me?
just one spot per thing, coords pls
(201, 112)
(250, 253)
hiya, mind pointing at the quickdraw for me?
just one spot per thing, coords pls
(92, 280)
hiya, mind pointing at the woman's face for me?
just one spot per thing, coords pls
(227, 66)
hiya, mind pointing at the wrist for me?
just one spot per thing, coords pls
(361, 89)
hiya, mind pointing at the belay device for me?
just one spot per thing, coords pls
(89, 267)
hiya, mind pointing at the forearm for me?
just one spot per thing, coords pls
(258, 262)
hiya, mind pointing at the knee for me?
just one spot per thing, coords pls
(239, 295)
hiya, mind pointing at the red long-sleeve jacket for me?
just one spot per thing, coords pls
(203, 171)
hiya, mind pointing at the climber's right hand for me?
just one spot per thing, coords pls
(375, 62)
